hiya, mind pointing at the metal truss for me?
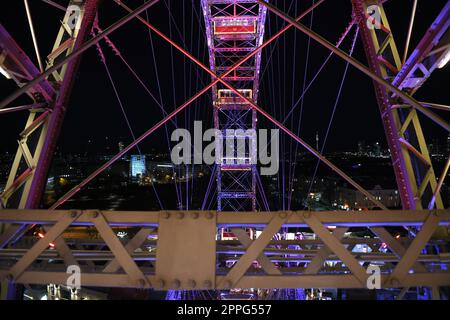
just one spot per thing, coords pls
(233, 29)
(158, 255)
(37, 141)
(235, 32)
(416, 179)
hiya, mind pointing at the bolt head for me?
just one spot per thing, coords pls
(306, 214)
(180, 215)
(192, 283)
(209, 215)
(176, 283)
(208, 284)
(194, 215)
(283, 215)
(160, 283)
(165, 215)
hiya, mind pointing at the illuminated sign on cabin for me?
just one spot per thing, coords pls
(226, 96)
(234, 25)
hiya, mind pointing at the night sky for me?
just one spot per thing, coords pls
(94, 112)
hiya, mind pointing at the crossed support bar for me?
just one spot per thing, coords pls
(191, 265)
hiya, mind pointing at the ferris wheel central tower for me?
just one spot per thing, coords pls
(235, 28)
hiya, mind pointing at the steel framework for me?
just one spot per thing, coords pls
(171, 262)
(235, 31)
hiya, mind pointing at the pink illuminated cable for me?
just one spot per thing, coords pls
(92, 176)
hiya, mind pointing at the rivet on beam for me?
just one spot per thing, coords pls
(194, 215)
(208, 284)
(228, 284)
(166, 215)
(176, 283)
(192, 283)
(160, 283)
(141, 283)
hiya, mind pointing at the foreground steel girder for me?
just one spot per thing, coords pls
(174, 267)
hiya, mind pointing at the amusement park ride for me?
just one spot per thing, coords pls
(235, 36)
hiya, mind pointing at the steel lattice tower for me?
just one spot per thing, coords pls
(235, 28)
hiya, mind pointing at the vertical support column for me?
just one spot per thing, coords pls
(88, 11)
(28, 175)
(411, 161)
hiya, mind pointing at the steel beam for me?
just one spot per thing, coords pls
(243, 274)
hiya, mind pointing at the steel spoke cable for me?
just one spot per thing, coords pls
(116, 93)
(162, 122)
(208, 189)
(305, 75)
(118, 53)
(337, 101)
(155, 66)
(119, 100)
(290, 178)
(174, 92)
(343, 37)
(131, 15)
(407, 98)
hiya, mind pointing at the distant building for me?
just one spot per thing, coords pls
(353, 199)
(137, 167)
(121, 146)
(361, 148)
(371, 150)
